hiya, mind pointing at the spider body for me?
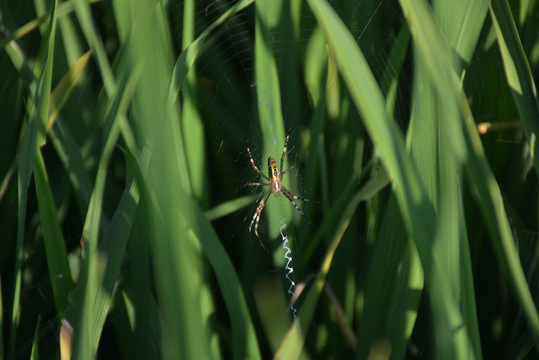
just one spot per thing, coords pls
(276, 187)
(275, 177)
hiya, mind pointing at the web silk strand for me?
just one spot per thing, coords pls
(290, 270)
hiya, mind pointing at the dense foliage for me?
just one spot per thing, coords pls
(125, 204)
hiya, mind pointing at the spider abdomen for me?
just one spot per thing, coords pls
(274, 177)
(273, 169)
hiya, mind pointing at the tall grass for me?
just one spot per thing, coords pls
(124, 210)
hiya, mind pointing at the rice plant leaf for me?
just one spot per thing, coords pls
(467, 147)
(433, 155)
(176, 250)
(55, 250)
(292, 343)
(493, 209)
(64, 88)
(448, 243)
(94, 264)
(192, 126)
(35, 344)
(269, 105)
(417, 211)
(469, 307)
(316, 166)
(113, 244)
(432, 152)
(148, 316)
(469, 28)
(63, 9)
(188, 56)
(397, 56)
(405, 301)
(393, 289)
(70, 154)
(35, 131)
(517, 72)
(84, 15)
(244, 341)
(369, 101)
(229, 207)
(461, 24)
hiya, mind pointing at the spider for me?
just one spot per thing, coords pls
(276, 187)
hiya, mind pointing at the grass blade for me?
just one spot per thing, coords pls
(82, 9)
(293, 342)
(417, 211)
(35, 344)
(467, 147)
(269, 105)
(174, 249)
(59, 271)
(62, 91)
(517, 72)
(193, 129)
(93, 271)
(189, 55)
(35, 130)
(113, 244)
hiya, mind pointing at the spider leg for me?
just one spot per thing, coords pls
(256, 184)
(253, 163)
(287, 170)
(284, 151)
(256, 217)
(287, 192)
(291, 198)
